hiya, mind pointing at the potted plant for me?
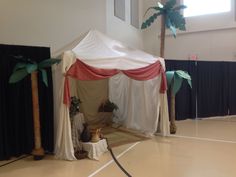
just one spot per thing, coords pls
(74, 106)
(105, 112)
(107, 106)
(24, 67)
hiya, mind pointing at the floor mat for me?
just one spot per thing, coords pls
(117, 137)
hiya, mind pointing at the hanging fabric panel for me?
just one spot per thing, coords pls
(81, 71)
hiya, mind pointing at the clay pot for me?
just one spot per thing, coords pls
(95, 135)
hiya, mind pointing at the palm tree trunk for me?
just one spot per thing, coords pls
(162, 54)
(38, 151)
(163, 33)
(173, 127)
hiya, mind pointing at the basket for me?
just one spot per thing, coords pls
(81, 154)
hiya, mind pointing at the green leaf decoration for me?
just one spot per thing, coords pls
(175, 79)
(19, 66)
(185, 75)
(150, 8)
(44, 76)
(171, 27)
(177, 83)
(173, 18)
(169, 77)
(180, 7)
(31, 67)
(150, 20)
(177, 20)
(170, 4)
(48, 62)
(18, 75)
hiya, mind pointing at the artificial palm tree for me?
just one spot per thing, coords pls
(171, 18)
(20, 71)
(174, 80)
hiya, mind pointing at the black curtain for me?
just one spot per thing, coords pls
(212, 89)
(232, 87)
(16, 120)
(185, 106)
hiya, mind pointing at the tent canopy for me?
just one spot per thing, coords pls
(136, 91)
(100, 51)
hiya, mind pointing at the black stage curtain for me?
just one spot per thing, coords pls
(212, 89)
(185, 106)
(16, 120)
(232, 88)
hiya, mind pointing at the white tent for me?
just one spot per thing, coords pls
(135, 79)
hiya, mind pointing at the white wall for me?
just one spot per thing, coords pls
(122, 30)
(52, 23)
(215, 43)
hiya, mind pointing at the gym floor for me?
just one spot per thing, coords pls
(201, 148)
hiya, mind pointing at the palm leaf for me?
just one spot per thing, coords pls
(177, 83)
(19, 66)
(173, 18)
(31, 67)
(48, 63)
(177, 20)
(169, 77)
(154, 8)
(175, 79)
(170, 26)
(150, 20)
(18, 75)
(185, 76)
(179, 7)
(170, 4)
(44, 76)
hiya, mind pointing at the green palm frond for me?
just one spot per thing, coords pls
(27, 66)
(173, 18)
(170, 4)
(18, 75)
(175, 79)
(48, 62)
(150, 20)
(31, 67)
(180, 7)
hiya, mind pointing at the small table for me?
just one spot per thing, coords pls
(95, 150)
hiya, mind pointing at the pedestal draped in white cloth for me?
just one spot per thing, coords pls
(138, 102)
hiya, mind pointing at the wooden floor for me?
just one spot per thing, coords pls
(201, 148)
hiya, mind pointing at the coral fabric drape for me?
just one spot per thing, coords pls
(81, 71)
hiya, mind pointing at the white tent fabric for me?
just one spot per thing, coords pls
(139, 102)
(100, 51)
